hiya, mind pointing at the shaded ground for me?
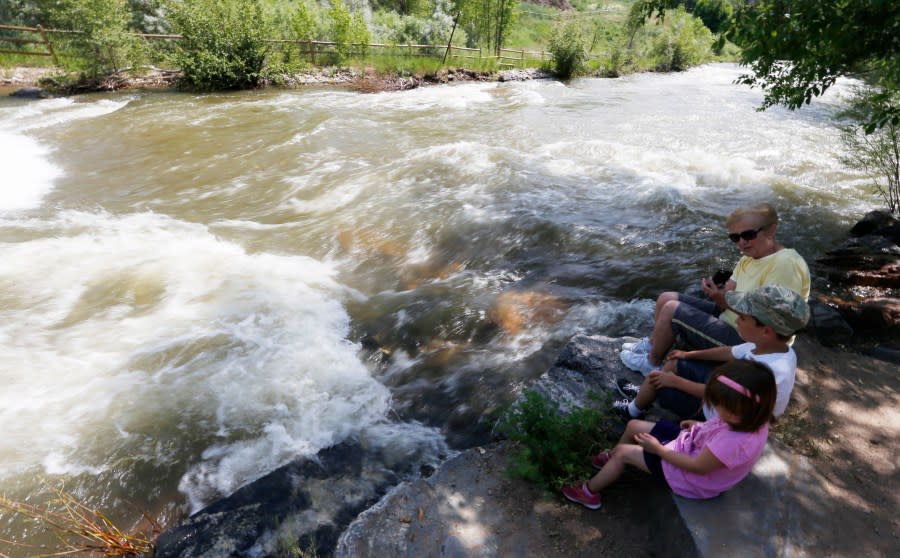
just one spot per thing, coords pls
(844, 417)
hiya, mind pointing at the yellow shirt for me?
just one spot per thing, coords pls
(785, 267)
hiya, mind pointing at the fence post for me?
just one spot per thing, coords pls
(523, 58)
(450, 42)
(312, 52)
(47, 42)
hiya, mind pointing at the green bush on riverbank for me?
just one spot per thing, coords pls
(242, 43)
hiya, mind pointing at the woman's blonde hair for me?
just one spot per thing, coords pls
(764, 212)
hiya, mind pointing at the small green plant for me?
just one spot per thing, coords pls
(554, 446)
(568, 47)
(81, 529)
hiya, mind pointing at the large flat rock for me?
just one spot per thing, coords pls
(459, 512)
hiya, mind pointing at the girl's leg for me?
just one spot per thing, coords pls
(633, 427)
(622, 454)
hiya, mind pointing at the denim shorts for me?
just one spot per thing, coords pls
(683, 404)
(697, 325)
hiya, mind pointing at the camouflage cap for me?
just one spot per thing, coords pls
(778, 307)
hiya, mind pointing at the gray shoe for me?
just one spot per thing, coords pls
(637, 362)
(642, 346)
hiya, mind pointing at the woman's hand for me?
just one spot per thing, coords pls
(648, 442)
(715, 292)
(661, 379)
(687, 424)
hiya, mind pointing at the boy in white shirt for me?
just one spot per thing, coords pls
(767, 319)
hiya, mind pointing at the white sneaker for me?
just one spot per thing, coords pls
(637, 362)
(642, 346)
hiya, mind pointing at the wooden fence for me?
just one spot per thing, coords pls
(42, 39)
(507, 58)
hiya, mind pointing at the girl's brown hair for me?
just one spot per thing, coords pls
(747, 389)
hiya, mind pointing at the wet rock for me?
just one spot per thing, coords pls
(878, 223)
(283, 509)
(828, 324)
(870, 257)
(30, 93)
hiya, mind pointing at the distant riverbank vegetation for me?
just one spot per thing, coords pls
(233, 44)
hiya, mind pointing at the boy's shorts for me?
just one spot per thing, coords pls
(683, 404)
(665, 431)
(696, 323)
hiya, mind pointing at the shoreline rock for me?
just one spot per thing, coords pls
(41, 83)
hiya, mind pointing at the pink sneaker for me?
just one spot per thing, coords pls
(601, 459)
(581, 494)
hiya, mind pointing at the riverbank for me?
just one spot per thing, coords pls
(366, 80)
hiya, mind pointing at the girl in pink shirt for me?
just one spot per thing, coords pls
(699, 459)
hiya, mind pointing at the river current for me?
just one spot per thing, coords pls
(197, 289)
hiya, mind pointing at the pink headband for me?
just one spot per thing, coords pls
(737, 387)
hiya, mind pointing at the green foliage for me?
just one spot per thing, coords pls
(715, 14)
(20, 12)
(224, 43)
(102, 44)
(554, 447)
(876, 154)
(568, 47)
(684, 42)
(797, 49)
(303, 21)
(487, 22)
(348, 31)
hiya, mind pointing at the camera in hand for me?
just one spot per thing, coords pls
(720, 277)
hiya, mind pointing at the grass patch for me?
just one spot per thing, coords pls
(80, 529)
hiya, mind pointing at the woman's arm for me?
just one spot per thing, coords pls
(704, 462)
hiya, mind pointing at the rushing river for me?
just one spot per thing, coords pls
(196, 289)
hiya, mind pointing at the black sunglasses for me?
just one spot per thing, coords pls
(749, 234)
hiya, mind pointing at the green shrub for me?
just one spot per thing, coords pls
(567, 46)
(555, 448)
(224, 43)
(684, 42)
(102, 44)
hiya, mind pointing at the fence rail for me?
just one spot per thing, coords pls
(39, 31)
(311, 49)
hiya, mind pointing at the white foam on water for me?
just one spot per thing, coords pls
(27, 173)
(449, 97)
(117, 330)
(684, 170)
(54, 112)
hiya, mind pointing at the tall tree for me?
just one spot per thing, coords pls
(797, 49)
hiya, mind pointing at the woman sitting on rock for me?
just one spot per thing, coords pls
(703, 323)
